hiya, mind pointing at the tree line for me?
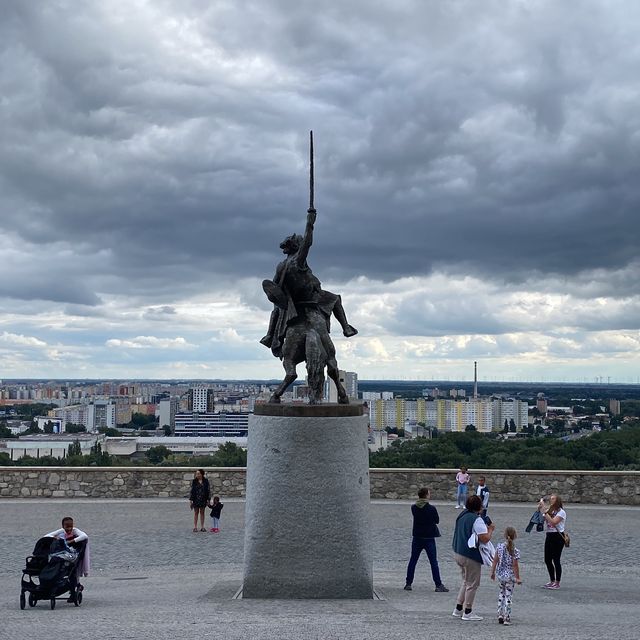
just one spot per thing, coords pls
(606, 450)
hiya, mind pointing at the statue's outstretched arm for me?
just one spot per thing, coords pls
(307, 239)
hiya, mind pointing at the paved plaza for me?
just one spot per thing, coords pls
(153, 578)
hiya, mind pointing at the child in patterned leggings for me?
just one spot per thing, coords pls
(506, 568)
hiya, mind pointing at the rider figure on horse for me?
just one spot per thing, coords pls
(294, 289)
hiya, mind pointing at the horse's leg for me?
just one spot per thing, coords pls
(288, 379)
(332, 367)
(289, 362)
(334, 374)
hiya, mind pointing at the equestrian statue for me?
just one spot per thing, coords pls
(300, 321)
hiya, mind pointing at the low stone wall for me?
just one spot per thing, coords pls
(114, 482)
(591, 487)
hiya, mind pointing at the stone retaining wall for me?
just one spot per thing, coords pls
(594, 487)
(590, 487)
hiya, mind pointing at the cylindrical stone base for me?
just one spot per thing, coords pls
(307, 510)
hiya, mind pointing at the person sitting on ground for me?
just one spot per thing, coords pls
(425, 531)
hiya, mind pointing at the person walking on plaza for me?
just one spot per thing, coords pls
(482, 491)
(216, 510)
(199, 498)
(506, 569)
(555, 518)
(425, 531)
(469, 559)
(462, 481)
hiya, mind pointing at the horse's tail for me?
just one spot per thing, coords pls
(316, 359)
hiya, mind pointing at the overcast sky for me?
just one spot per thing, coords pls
(477, 184)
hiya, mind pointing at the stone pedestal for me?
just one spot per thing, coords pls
(307, 510)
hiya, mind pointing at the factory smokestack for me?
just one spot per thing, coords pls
(475, 380)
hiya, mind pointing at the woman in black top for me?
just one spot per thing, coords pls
(199, 498)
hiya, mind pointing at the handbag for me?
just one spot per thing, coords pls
(567, 538)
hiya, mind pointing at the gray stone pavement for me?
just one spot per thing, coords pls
(153, 578)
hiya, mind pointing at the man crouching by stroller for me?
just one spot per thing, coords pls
(78, 540)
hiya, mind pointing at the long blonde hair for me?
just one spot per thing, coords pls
(510, 535)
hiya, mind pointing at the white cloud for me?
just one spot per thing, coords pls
(19, 340)
(149, 342)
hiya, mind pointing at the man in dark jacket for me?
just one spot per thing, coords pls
(425, 532)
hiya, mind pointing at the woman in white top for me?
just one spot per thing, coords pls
(68, 532)
(73, 536)
(554, 519)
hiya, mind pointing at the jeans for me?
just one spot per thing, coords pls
(462, 495)
(417, 546)
(215, 523)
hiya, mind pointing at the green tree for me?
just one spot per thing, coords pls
(157, 454)
(74, 449)
(557, 425)
(27, 461)
(33, 428)
(49, 461)
(230, 454)
(98, 457)
(110, 432)
(167, 430)
(5, 432)
(470, 427)
(29, 411)
(512, 426)
(48, 426)
(75, 428)
(505, 429)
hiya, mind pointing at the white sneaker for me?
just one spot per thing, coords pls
(457, 613)
(471, 616)
(457, 506)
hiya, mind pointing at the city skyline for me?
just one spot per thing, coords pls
(475, 184)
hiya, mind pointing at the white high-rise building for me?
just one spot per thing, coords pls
(201, 400)
(167, 409)
(348, 379)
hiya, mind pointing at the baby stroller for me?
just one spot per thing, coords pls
(51, 571)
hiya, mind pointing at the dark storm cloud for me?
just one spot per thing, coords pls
(163, 147)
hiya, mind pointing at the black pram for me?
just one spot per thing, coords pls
(51, 571)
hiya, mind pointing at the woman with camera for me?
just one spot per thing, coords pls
(555, 518)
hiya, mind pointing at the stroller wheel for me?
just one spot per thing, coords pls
(32, 600)
(78, 600)
(53, 603)
(23, 600)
